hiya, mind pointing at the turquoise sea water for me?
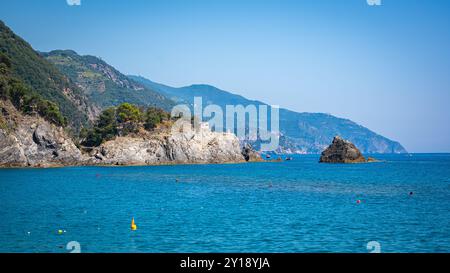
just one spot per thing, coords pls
(294, 206)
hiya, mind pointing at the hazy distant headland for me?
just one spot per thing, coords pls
(301, 133)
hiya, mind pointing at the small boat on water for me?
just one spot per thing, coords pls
(289, 158)
(268, 156)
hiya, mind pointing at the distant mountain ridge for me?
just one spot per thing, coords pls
(103, 84)
(300, 132)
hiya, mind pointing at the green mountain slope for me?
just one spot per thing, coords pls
(47, 81)
(103, 84)
(24, 98)
(300, 132)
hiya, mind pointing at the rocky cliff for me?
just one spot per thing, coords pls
(31, 141)
(342, 151)
(170, 147)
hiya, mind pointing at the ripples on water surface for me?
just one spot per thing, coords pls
(294, 206)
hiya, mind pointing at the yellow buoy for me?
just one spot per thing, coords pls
(133, 225)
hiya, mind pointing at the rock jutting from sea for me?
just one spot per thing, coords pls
(342, 151)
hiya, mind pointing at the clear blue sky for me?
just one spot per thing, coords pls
(385, 67)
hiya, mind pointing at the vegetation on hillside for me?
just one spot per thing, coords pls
(68, 89)
(121, 121)
(153, 117)
(35, 75)
(24, 98)
(102, 83)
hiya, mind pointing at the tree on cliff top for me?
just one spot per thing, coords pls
(127, 112)
(153, 117)
(121, 121)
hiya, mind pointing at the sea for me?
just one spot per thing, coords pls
(400, 204)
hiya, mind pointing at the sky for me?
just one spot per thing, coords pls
(385, 67)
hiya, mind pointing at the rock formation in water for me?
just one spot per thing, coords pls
(29, 140)
(342, 151)
(250, 154)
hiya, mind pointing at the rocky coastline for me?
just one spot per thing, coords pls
(31, 141)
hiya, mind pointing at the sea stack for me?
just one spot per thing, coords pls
(342, 151)
(250, 154)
